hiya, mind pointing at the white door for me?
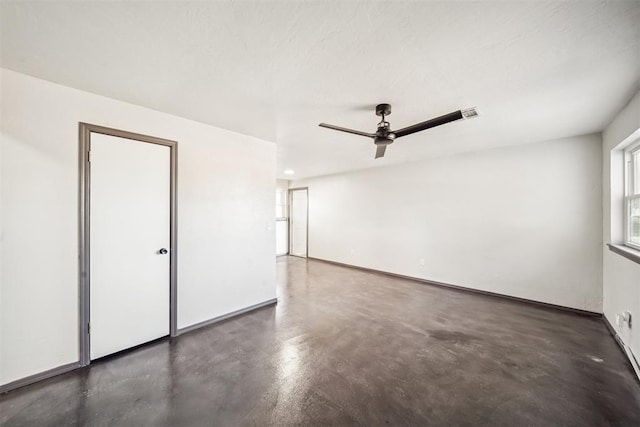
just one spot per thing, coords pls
(129, 227)
(298, 218)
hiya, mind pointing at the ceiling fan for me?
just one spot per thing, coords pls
(385, 136)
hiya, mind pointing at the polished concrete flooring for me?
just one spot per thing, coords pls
(346, 347)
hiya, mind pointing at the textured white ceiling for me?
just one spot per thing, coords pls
(274, 70)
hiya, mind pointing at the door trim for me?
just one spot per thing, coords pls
(84, 229)
(291, 190)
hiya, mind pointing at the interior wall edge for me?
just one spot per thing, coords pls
(420, 280)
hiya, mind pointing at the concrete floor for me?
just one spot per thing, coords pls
(346, 347)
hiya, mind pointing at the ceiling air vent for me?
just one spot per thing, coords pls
(470, 113)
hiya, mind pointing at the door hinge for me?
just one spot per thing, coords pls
(88, 328)
(89, 156)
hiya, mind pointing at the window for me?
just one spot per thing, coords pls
(632, 196)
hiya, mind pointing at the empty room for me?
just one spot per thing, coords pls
(320, 213)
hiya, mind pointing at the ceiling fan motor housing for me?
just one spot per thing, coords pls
(384, 137)
(383, 109)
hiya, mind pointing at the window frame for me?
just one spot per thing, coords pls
(630, 192)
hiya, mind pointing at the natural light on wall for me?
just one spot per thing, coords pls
(281, 204)
(282, 224)
(632, 195)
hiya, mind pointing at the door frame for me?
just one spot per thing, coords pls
(84, 229)
(291, 190)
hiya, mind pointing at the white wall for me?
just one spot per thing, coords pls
(282, 184)
(282, 187)
(621, 276)
(523, 221)
(226, 241)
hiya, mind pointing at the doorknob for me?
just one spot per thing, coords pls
(162, 251)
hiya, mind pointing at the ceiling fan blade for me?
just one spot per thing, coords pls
(380, 149)
(451, 117)
(341, 129)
